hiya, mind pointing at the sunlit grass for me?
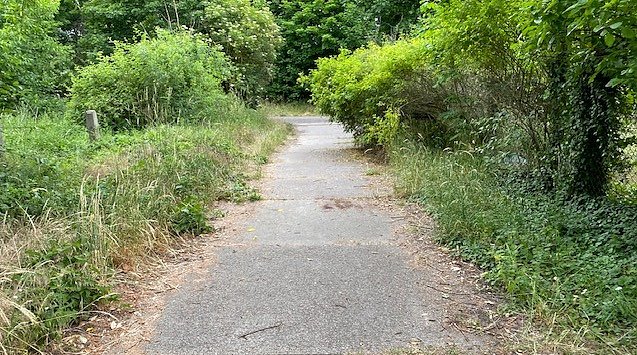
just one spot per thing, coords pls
(569, 267)
(74, 211)
(288, 109)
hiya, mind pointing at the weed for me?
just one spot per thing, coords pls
(190, 217)
(569, 261)
(74, 211)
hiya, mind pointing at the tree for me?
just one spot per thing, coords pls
(313, 29)
(248, 34)
(391, 17)
(92, 26)
(589, 48)
(34, 64)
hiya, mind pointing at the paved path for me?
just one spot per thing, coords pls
(316, 269)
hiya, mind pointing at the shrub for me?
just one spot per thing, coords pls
(171, 78)
(361, 89)
(313, 29)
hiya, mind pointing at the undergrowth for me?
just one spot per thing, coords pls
(566, 263)
(75, 212)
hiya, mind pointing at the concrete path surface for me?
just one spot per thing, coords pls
(315, 270)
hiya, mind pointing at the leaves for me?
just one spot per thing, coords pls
(34, 64)
(249, 36)
(173, 77)
(609, 39)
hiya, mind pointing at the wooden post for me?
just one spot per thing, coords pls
(92, 125)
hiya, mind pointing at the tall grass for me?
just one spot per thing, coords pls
(570, 264)
(79, 211)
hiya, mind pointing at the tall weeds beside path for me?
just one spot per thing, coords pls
(569, 265)
(79, 212)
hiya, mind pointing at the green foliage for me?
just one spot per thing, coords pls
(33, 64)
(190, 217)
(313, 29)
(294, 108)
(42, 166)
(571, 83)
(61, 285)
(362, 89)
(171, 78)
(111, 203)
(575, 259)
(529, 98)
(588, 54)
(595, 32)
(391, 18)
(249, 36)
(97, 23)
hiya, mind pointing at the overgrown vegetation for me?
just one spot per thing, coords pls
(34, 65)
(78, 210)
(248, 34)
(511, 121)
(173, 78)
(175, 138)
(313, 29)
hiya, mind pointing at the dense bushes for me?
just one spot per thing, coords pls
(364, 88)
(567, 107)
(171, 78)
(313, 29)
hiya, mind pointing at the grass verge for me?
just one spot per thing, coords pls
(571, 266)
(74, 212)
(296, 108)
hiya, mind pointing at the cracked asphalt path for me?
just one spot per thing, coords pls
(316, 269)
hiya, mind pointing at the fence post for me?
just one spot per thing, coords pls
(92, 125)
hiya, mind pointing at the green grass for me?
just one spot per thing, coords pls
(288, 109)
(74, 211)
(571, 266)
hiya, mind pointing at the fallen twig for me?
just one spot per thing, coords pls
(260, 330)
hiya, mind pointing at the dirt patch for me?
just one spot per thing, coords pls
(339, 204)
